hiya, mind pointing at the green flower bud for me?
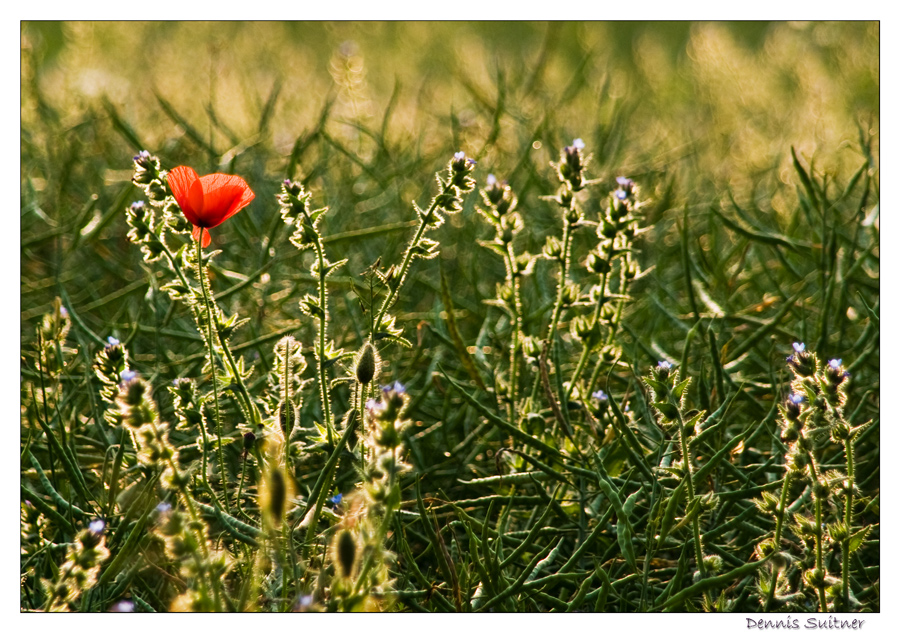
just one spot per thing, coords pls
(345, 552)
(367, 363)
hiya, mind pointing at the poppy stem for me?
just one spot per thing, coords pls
(322, 342)
(204, 282)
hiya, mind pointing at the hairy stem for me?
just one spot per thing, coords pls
(212, 363)
(848, 521)
(408, 257)
(513, 279)
(321, 342)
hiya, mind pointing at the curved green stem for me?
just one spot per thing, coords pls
(212, 363)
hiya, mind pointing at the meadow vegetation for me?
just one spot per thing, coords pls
(522, 317)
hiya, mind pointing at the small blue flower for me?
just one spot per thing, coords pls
(491, 180)
(621, 194)
(97, 526)
(122, 606)
(63, 312)
(336, 499)
(128, 375)
(835, 363)
(624, 182)
(664, 364)
(374, 407)
(137, 205)
(578, 143)
(600, 395)
(799, 347)
(304, 602)
(796, 398)
(459, 155)
(396, 387)
(163, 507)
(112, 340)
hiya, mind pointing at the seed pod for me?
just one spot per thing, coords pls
(367, 364)
(287, 415)
(277, 496)
(346, 552)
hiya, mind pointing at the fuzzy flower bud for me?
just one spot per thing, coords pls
(367, 363)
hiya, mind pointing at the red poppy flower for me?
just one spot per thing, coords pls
(209, 200)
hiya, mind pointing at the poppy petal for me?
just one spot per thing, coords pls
(223, 196)
(207, 238)
(188, 192)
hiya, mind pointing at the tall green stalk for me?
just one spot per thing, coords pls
(210, 341)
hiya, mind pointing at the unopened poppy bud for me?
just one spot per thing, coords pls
(287, 416)
(821, 490)
(345, 547)
(367, 363)
(277, 496)
(249, 442)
